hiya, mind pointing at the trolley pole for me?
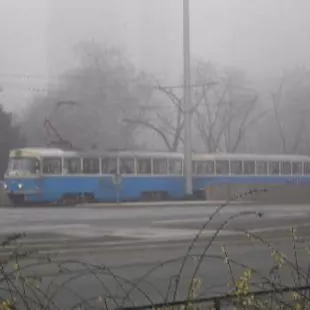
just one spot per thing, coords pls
(187, 102)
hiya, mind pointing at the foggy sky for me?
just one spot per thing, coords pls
(262, 37)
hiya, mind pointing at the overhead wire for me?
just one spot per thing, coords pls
(52, 86)
(54, 83)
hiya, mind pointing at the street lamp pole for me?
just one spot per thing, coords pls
(187, 102)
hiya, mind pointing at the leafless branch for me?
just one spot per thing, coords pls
(206, 126)
(171, 95)
(298, 136)
(215, 120)
(241, 130)
(171, 130)
(152, 127)
(167, 123)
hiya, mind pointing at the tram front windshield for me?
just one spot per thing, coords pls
(23, 166)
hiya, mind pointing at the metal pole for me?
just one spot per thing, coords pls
(187, 102)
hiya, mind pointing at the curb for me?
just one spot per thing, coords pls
(164, 204)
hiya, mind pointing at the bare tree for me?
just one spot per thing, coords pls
(222, 110)
(167, 121)
(290, 108)
(107, 88)
(227, 112)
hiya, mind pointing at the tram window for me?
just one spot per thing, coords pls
(274, 168)
(199, 168)
(91, 166)
(236, 167)
(127, 165)
(209, 166)
(175, 166)
(286, 168)
(306, 168)
(72, 165)
(249, 167)
(109, 165)
(160, 166)
(203, 168)
(144, 166)
(297, 168)
(261, 168)
(52, 165)
(222, 167)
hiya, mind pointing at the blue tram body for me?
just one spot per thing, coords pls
(204, 182)
(43, 175)
(101, 189)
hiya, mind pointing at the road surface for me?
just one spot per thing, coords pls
(136, 242)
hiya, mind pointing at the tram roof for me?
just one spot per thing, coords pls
(256, 157)
(50, 152)
(41, 151)
(134, 154)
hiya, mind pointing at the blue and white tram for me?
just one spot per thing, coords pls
(249, 171)
(43, 175)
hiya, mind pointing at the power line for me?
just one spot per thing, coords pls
(55, 87)
(29, 77)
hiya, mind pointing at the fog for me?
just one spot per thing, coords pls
(262, 37)
(259, 36)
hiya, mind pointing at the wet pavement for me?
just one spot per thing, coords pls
(83, 227)
(132, 241)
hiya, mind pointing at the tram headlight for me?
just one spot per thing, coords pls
(20, 186)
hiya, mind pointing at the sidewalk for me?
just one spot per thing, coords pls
(207, 203)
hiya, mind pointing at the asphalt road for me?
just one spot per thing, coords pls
(148, 245)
